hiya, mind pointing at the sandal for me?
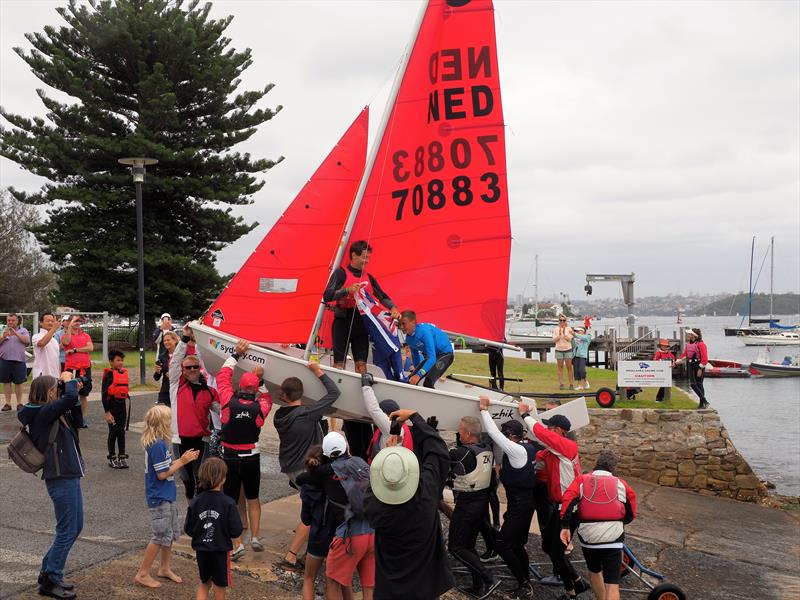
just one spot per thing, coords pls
(6, 407)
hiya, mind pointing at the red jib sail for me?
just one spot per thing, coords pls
(275, 295)
(435, 209)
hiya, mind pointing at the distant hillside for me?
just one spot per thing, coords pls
(782, 304)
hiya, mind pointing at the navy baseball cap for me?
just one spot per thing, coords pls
(558, 421)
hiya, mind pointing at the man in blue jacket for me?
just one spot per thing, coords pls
(431, 350)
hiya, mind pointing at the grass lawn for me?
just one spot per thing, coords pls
(543, 377)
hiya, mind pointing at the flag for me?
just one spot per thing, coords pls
(382, 335)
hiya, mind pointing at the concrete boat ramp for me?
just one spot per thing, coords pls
(713, 548)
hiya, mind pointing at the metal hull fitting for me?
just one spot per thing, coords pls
(448, 402)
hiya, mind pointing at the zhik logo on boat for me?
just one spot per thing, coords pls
(228, 349)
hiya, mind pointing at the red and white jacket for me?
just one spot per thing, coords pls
(604, 504)
(263, 404)
(560, 458)
(190, 410)
(696, 351)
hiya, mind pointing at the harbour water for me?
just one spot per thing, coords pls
(762, 415)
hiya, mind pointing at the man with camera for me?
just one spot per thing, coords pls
(77, 345)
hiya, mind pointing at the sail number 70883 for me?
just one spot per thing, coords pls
(436, 193)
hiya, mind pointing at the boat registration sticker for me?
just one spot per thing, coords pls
(270, 285)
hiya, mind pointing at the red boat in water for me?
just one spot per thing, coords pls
(726, 368)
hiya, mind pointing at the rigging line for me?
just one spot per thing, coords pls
(386, 136)
(761, 268)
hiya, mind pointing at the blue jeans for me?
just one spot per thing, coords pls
(68, 504)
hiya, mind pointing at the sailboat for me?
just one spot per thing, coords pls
(433, 187)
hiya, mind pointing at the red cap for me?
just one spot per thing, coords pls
(249, 381)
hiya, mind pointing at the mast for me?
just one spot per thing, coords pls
(312, 338)
(771, 273)
(536, 294)
(750, 297)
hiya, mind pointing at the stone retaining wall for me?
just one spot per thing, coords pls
(675, 448)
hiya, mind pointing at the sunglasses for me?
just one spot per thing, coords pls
(563, 320)
(191, 367)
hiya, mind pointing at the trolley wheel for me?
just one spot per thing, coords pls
(626, 566)
(666, 591)
(605, 397)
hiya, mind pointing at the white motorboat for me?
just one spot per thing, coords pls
(784, 338)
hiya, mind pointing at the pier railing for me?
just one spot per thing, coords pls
(641, 347)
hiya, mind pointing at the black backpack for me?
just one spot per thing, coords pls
(24, 453)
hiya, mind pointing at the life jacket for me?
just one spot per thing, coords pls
(481, 476)
(524, 477)
(600, 500)
(118, 388)
(241, 428)
(348, 302)
(375, 444)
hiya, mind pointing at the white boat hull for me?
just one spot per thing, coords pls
(774, 370)
(771, 340)
(448, 402)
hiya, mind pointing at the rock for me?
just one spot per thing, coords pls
(686, 468)
(671, 415)
(695, 441)
(637, 417)
(626, 414)
(668, 480)
(699, 482)
(651, 416)
(684, 454)
(748, 481)
(712, 434)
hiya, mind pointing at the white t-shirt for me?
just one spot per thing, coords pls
(45, 360)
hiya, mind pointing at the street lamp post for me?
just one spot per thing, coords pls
(137, 166)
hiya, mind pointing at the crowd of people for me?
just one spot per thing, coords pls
(375, 512)
(371, 494)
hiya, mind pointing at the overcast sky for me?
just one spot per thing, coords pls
(654, 137)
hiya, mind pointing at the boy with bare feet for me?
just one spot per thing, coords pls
(159, 485)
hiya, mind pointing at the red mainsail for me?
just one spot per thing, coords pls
(435, 208)
(274, 296)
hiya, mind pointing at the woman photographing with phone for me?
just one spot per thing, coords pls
(49, 402)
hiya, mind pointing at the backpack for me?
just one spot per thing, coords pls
(24, 453)
(353, 474)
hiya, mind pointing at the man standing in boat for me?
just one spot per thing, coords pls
(349, 329)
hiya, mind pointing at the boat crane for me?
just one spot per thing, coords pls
(627, 281)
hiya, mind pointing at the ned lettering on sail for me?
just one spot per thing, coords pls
(450, 65)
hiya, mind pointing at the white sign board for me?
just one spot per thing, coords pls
(644, 373)
(575, 411)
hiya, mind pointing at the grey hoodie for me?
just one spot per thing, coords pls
(298, 427)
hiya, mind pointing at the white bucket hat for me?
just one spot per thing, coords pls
(394, 475)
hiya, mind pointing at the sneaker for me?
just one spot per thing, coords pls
(525, 591)
(561, 386)
(238, 553)
(256, 545)
(586, 384)
(112, 461)
(43, 577)
(122, 461)
(489, 556)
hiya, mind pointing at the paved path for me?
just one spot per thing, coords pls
(715, 549)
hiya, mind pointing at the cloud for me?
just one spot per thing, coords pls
(642, 137)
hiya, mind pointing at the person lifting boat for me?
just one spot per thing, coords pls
(431, 349)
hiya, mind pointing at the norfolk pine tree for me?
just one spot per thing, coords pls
(150, 78)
